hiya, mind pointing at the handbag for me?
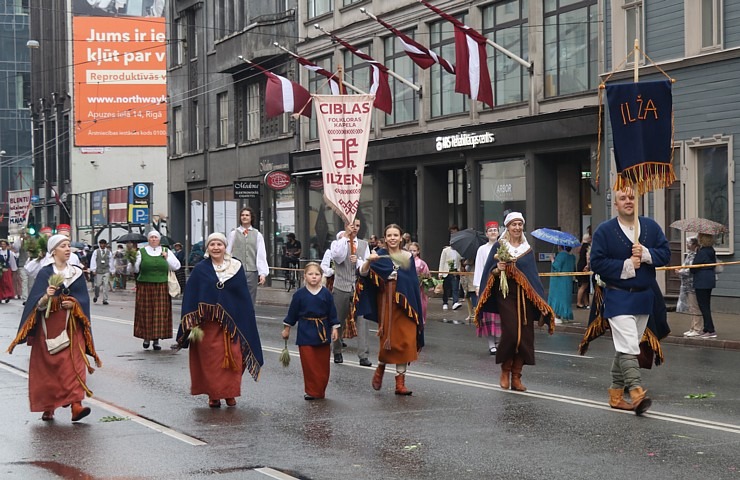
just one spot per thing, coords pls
(57, 344)
(172, 284)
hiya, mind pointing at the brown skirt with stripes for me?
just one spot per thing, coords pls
(153, 312)
(210, 373)
(396, 330)
(518, 317)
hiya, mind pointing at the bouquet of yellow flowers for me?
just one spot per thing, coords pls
(503, 255)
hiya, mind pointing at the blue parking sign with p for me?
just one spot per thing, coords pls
(140, 215)
(141, 190)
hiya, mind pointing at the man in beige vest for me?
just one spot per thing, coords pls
(247, 244)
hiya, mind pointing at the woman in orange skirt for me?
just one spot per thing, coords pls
(219, 326)
(57, 378)
(390, 295)
(312, 309)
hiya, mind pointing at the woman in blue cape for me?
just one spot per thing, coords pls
(219, 326)
(560, 296)
(58, 379)
(521, 307)
(390, 295)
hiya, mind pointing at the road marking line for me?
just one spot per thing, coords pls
(563, 354)
(272, 473)
(121, 412)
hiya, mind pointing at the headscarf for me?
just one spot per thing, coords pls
(513, 216)
(153, 233)
(55, 241)
(216, 236)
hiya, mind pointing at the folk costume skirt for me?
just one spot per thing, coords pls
(6, 285)
(489, 325)
(396, 330)
(56, 380)
(211, 372)
(518, 318)
(153, 311)
(315, 365)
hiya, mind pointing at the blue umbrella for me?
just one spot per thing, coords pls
(556, 237)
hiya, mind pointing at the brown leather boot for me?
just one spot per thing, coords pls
(640, 401)
(401, 385)
(378, 376)
(505, 380)
(616, 399)
(79, 412)
(516, 375)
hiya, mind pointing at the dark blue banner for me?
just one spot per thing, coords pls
(641, 116)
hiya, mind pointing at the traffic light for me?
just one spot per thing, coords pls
(31, 229)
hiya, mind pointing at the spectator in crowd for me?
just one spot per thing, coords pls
(686, 295)
(704, 281)
(102, 264)
(450, 261)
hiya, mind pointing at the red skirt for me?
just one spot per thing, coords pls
(6, 285)
(56, 380)
(207, 372)
(315, 365)
(153, 311)
(396, 330)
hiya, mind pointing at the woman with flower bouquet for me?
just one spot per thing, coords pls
(390, 295)
(510, 285)
(219, 326)
(58, 306)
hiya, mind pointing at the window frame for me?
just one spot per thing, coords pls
(397, 60)
(522, 23)
(444, 45)
(691, 152)
(177, 147)
(222, 113)
(318, 84)
(312, 7)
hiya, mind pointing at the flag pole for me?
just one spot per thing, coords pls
(393, 74)
(295, 55)
(636, 78)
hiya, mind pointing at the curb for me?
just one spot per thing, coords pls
(670, 339)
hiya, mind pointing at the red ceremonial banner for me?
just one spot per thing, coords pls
(344, 130)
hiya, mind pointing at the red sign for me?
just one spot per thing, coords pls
(277, 180)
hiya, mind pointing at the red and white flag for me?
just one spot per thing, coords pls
(285, 96)
(379, 85)
(337, 88)
(472, 77)
(344, 123)
(418, 53)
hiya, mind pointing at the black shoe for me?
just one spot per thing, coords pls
(105, 303)
(7, 300)
(95, 299)
(308, 397)
(156, 345)
(364, 362)
(344, 345)
(145, 344)
(338, 358)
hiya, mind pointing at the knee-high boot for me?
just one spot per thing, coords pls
(616, 399)
(378, 376)
(505, 380)
(516, 374)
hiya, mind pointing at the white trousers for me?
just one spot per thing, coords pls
(627, 331)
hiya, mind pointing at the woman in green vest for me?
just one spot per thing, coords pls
(153, 312)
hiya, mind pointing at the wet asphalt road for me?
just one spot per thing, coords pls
(458, 423)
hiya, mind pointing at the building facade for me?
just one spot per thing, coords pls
(15, 99)
(698, 45)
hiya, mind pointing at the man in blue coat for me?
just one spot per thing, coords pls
(628, 267)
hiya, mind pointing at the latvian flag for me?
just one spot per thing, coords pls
(472, 77)
(285, 96)
(379, 86)
(418, 53)
(336, 87)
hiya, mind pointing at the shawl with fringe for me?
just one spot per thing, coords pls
(231, 307)
(77, 292)
(657, 328)
(408, 294)
(523, 272)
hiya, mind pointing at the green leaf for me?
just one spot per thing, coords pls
(113, 418)
(700, 395)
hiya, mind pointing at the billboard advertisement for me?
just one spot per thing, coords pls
(119, 56)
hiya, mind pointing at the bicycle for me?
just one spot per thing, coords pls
(292, 277)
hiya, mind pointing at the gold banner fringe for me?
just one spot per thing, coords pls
(646, 177)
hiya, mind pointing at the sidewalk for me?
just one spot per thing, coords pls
(727, 325)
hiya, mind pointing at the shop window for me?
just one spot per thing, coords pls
(199, 224)
(506, 24)
(503, 189)
(571, 46)
(443, 98)
(225, 214)
(404, 97)
(711, 166)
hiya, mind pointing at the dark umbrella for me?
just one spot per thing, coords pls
(466, 242)
(131, 237)
(556, 237)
